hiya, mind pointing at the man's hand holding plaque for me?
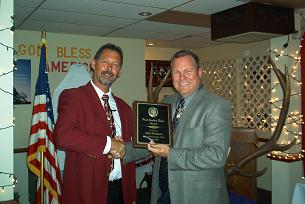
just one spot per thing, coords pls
(152, 123)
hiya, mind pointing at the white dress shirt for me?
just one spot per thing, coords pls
(116, 172)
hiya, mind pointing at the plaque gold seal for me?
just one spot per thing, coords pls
(152, 112)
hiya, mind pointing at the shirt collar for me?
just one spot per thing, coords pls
(188, 98)
(99, 92)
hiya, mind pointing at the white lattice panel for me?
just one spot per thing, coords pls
(255, 93)
(246, 83)
(220, 78)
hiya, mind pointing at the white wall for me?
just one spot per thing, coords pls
(21, 171)
(284, 177)
(6, 107)
(233, 50)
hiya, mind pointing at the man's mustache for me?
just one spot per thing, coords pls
(107, 72)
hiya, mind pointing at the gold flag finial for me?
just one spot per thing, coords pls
(43, 34)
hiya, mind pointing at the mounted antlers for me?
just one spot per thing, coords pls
(270, 144)
(153, 94)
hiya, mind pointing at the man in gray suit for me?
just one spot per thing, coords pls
(194, 166)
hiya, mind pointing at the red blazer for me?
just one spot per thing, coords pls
(81, 130)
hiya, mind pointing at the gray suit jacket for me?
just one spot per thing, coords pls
(200, 145)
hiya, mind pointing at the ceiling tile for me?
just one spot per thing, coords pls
(205, 37)
(64, 28)
(167, 28)
(119, 18)
(28, 3)
(79, 18)
(22, 12)
(181, 45)
(182, 18)
(208, 6)
(166, 4)
(99, 7)
(131, 33)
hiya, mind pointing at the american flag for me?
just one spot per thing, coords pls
(41, 138)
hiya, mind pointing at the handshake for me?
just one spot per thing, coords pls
(117, 150)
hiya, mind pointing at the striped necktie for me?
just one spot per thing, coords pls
(110, 120)
(109, 115)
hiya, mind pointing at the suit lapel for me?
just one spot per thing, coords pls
(171, 100)
(95, 102)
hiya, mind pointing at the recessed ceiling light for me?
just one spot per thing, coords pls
(151, 44)
(145, 13)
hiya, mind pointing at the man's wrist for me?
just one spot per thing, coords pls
(107, 146)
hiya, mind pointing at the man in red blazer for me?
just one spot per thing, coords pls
(94, 172)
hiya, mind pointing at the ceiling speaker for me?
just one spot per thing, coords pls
(251, 22)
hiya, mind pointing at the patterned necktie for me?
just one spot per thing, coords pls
(109, 114)
(178, 112)
(110, 120)
(163, 170)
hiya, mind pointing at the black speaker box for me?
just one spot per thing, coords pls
(252, 22)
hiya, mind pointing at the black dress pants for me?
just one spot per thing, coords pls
(115, 193)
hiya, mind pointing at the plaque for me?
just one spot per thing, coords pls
(152, 121)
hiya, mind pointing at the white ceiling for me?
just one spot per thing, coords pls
(120, 18)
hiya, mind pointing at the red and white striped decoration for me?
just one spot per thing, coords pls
(42, 140)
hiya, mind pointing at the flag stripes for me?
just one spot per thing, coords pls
(42, 140)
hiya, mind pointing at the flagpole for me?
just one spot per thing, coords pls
(41, 177)
(43, 36)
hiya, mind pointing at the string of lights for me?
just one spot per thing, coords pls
(5, 73)
(3, 128)
(6, 92)
(281, 54)
(14, 180)
(255, 82)
(294, 120)
(15, 52)
(14, 66)
(12, 28)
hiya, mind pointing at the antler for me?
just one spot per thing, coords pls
(153, 94)
(271, 144)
